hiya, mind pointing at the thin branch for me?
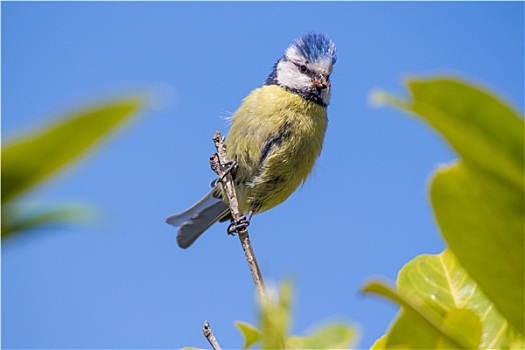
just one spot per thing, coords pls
(222, 167)
(209, 335)
(252, 263)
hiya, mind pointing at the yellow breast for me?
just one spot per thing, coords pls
(276, 136)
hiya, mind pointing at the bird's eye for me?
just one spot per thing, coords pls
(302, 68)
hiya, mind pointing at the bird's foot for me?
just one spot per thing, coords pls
(232, 166)
(240, 224)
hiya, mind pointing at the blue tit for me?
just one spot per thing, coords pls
(275, 137)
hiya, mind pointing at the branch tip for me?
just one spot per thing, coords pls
(206, 330)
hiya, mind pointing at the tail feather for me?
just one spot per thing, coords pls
(195, 220)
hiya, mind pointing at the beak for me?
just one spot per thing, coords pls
(321, 84)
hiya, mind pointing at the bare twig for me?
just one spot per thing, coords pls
(252, 262)
(222, 166)
(209, 335)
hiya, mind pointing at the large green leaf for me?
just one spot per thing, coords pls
(418, 327)
(479, 203)
(443, 308)
(481, 220)
(30, 159)
(380, 343)
(442, 284)
(486, 132)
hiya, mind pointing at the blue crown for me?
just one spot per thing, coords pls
(315, 47)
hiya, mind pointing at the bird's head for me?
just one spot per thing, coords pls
(305, 68)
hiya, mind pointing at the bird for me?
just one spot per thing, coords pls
(275, 137)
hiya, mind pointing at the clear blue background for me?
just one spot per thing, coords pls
(124, 283)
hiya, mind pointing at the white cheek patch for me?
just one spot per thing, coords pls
(288, 75)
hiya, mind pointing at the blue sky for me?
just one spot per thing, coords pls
(123, 282)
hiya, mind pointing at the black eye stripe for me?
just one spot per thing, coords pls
(304, 69)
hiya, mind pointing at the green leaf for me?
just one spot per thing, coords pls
(30, 159)
(408, 332)
(480, 220)
(442, 284)
(274, 321)
(251, 334)
(417, 327)
(479, 203)
(380, 343)
(275, 318)
(333, 336)
(443, 308)
(467, 321)
(486, 132)
(18, 218)
(274, 324)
